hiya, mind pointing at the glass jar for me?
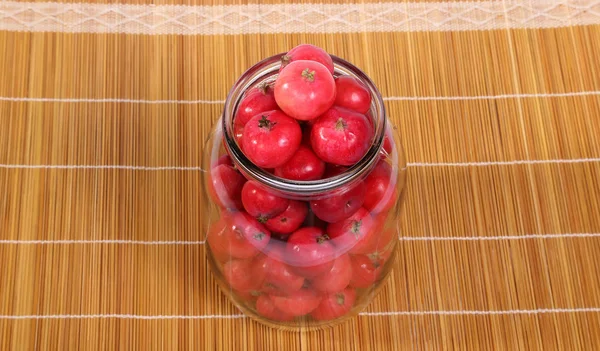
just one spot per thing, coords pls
(349, 218)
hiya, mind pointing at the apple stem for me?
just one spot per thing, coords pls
(285, 60)
(340, 299)
(323, 238)
(356, 227)
(265, 123)
(341, 124)
(310, 76)
(263, 88)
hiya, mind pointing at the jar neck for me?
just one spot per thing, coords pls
(266, 71)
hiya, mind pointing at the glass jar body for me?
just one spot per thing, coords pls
(331, 244)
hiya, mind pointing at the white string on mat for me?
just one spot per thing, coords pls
(500, 237)
(122, 316)
(401, 238)
(484, 313)
(389, 98)
(100, 242)
(503, 163)
(363, 314)
(119, 167)
(490, 97)
(412, 164)
(111, 100)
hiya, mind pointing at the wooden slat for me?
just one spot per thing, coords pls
(205, 67)
(156, 135)
(166, 205)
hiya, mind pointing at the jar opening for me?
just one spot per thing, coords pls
(267, 71)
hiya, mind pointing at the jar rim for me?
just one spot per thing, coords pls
(268, 68)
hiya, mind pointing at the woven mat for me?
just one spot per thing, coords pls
(104, 109)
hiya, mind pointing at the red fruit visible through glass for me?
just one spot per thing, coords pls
(309, 252)
(224, 160)
(258, 99)
(297, 304)
(225, 186)
(387, 144)
(266, 308)
(337, 278)
(308, 52)
(365, 271)
(237, 236)
(271, 138)
(377, 239)
(388, 141)
(241, 275)
(381, 256)
(290, 219)
(352, 94)
(335, 305)
(353, 234)
(382, 194)
(305, 90)
(261, 203)
(341, 205)
(279, 279)
(341, 136)
(304, 165)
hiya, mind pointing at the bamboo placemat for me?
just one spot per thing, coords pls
(104, 109)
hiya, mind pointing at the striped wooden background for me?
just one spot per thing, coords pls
(104, 109)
